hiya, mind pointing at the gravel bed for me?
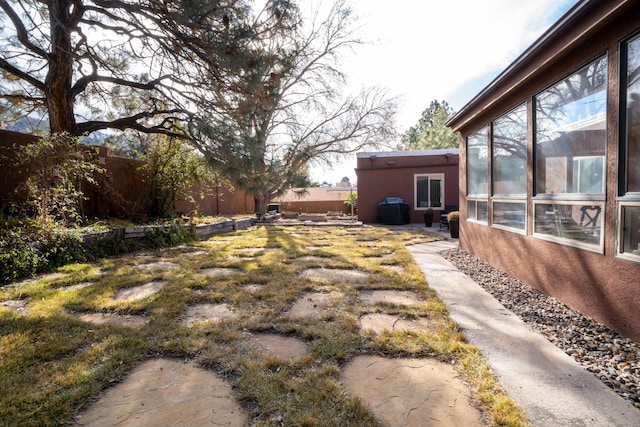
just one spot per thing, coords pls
(611, 357)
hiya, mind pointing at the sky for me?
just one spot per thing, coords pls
(421, 50)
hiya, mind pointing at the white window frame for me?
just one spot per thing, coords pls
(439, 176)
(597, 248)
(620, 253)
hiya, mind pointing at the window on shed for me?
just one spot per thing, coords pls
(429, 191)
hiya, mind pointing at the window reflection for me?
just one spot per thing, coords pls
(581, 223)
(633, 115)
(571, 133)
(509, 151)
(477, 162)
(509, 214)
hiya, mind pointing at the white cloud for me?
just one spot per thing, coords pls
(424, 50)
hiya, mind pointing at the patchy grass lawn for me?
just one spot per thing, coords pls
(53, 365)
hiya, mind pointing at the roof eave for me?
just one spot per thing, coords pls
(569, 19)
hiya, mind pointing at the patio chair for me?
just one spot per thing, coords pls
(444, 216)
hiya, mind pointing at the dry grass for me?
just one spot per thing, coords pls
(53, 365)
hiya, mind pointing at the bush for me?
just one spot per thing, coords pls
(29, 247)
(33, 247)
(54, 169)
(170, 235)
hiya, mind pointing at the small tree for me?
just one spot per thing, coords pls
(172, 169)
(352, 202)
(55, 169)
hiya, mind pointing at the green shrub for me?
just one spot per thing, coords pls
(32, 247)
(170, 235)
(29, 247)
(53, 169)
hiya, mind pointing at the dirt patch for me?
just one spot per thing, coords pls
(207, 312)
(278, 345)
(162, 392)
(412, 392)
(131, 320)
(139, 292)
(310, 304)
(378, 322)
(349, 276)
(390, 297)
(219, 271)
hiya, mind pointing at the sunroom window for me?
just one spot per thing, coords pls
(477, 175)
(509, 170)
(570, 149)
(628, 223)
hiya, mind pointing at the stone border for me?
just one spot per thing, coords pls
(140, 231)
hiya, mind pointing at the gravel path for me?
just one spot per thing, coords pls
(614, 359)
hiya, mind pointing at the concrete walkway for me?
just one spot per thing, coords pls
(551, 388)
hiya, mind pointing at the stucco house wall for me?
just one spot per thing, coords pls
(393, 174)
(599, 282)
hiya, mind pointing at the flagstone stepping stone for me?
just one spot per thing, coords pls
(193, 253)
(379, 322)
(411, 392)
(350, 276)
(17, 306)
(251, 250)
(219, 271)
(252, 287)
(76, 287)
(167, 392)
(34, 279)
(389, 296)
(395, 268)
(133, 320)
(206, 312)
(311, 258)
(310, 304)
(214, 242)
(160, 265)
(139, 292)
(381, 257)
(278, 345)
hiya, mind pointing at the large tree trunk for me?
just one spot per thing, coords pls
(63, 16)
(261, 205)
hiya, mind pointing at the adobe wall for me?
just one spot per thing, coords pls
(122, 189)
(9, 176)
